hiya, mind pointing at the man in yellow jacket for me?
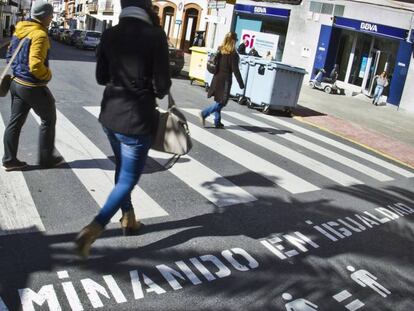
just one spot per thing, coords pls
(29, 88)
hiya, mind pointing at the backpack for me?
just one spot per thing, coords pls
(213, 62)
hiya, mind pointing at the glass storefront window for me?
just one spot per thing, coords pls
(345, 47)
(339, 10)
(327, 8)
(361, 55)
(277, 27)
(315, 7)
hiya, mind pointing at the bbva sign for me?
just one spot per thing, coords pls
(260, 10)
(369, 27)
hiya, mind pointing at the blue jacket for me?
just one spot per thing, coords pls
(31, 66)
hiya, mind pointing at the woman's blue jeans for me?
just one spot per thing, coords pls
(213, 108)
(131, 153)
(378, 92)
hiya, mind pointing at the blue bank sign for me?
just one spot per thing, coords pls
(364, 26)
(262, 10)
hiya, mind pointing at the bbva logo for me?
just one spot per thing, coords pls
(368, 26)
(258, 9)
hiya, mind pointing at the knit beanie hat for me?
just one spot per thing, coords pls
(41, 9)
(145, 4)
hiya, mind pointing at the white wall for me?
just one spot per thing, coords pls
(225, 14)
(302, 37)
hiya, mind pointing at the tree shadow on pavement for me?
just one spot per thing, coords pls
(385, 250)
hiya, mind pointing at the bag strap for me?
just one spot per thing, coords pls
(13, 57)
(171, 101)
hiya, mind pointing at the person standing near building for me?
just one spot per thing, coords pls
(242, 47)
(29, 88)
(228, 64)
(382, 83)
(133, 64)
(12, 29)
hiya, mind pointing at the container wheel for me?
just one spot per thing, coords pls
(249, 103)
(242, 101)
(288, 111)
(328, 89)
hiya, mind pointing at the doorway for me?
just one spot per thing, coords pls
(378, 63)
(362, 56)
(189, 29)
(168, 16)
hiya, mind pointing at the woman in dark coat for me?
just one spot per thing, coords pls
(132, 63)
(228, 64)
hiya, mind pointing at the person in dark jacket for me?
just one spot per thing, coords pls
(132, 62)
(29, 88)
(242, 47)
(253, 52)
(228, 64)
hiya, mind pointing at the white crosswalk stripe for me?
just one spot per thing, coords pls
(288, 153)
(98, 175)
(277, 175)
(18, 212)
(316, 148)
(95, 171)
(215, 188)
(339, 145)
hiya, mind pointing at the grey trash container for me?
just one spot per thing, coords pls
(273, 85)
(235, 90)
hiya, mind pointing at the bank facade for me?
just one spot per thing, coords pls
(364, 39)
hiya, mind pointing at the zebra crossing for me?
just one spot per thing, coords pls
(18, 212)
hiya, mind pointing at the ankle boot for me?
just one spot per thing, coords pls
(129, 224)
(86, 237)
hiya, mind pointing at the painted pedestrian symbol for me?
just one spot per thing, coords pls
(345, 297)
(299, 304)
(364, 278)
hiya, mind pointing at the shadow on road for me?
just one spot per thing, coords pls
(319, 272)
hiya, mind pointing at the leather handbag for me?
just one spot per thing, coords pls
(5, 78)
(172, 135)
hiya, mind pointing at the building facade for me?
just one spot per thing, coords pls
(10, 14)
(181, 20)
(364, 38)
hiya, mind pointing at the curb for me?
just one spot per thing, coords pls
(299, 118)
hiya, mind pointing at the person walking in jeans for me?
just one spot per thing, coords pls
(29, 88)
(382, 83)
(132, 61)
(228, 64)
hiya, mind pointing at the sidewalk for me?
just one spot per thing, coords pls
(383, 129)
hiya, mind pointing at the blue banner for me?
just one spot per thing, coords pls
(262, 10)
(364, 26)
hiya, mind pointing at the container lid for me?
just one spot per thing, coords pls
(288, 67)
(199, 49)
(258, 61)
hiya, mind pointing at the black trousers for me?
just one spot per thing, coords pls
(41, 100)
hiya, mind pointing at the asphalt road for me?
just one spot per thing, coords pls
(268, 214)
